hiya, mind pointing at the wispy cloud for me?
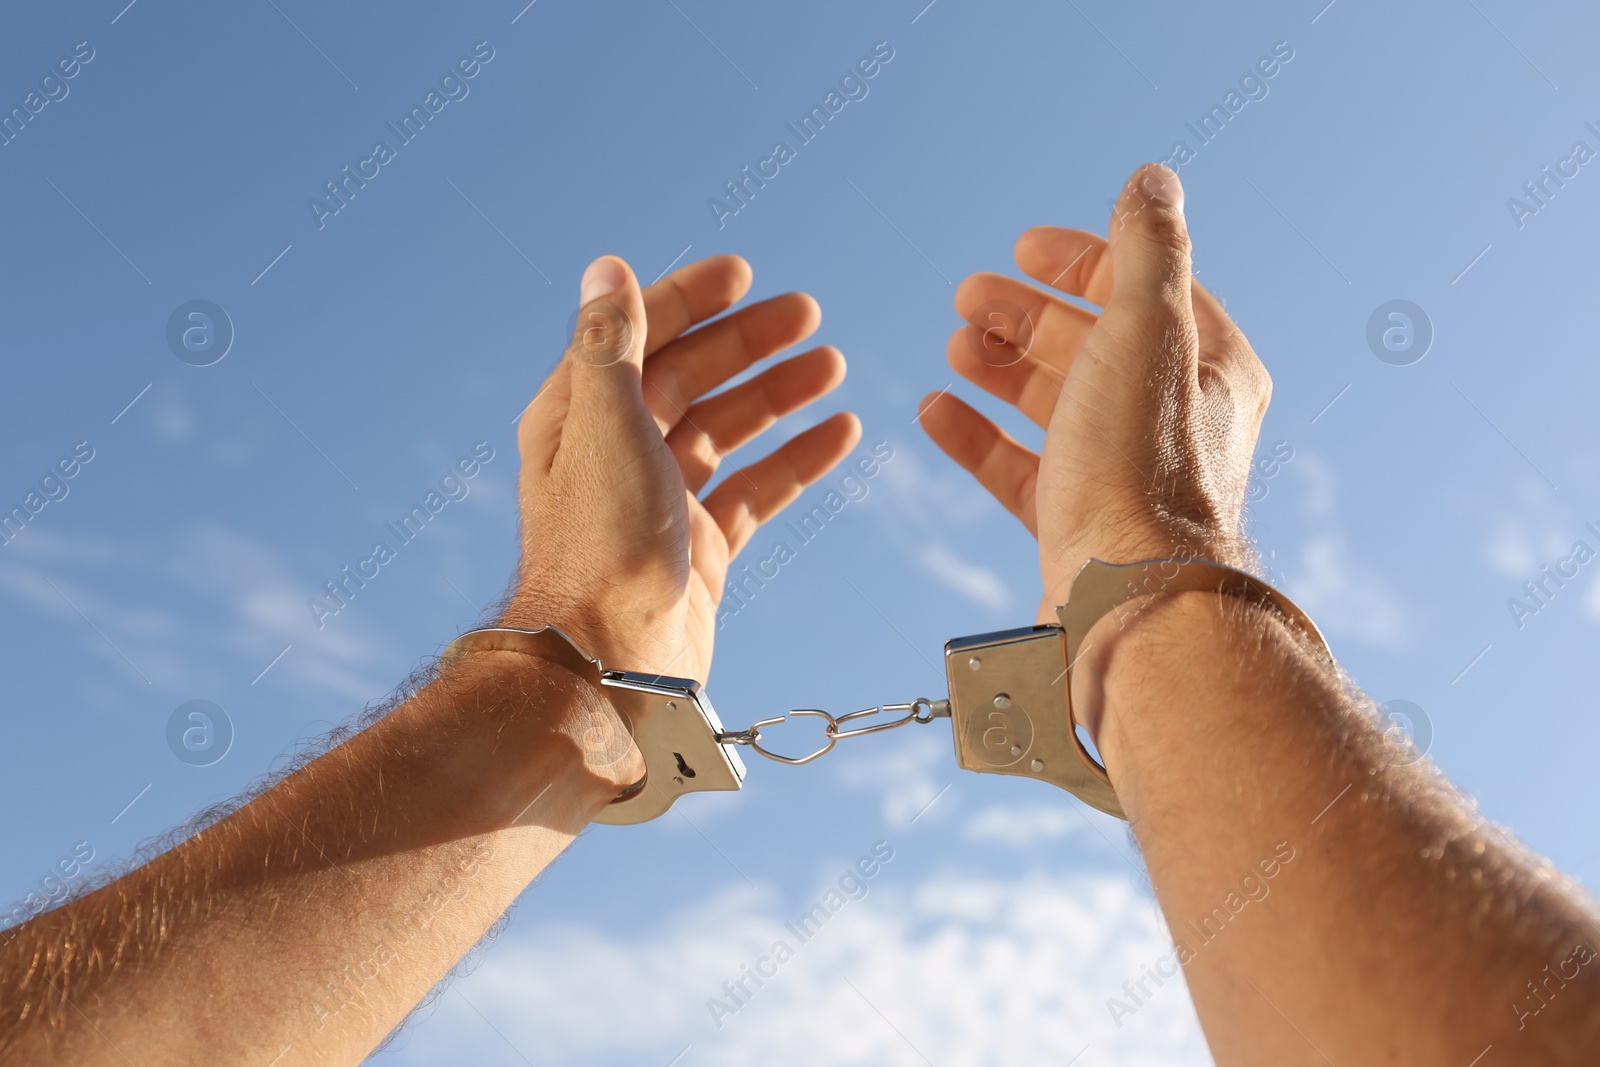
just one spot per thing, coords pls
(973, 581)
(1346, 598)
(1510, 548)
(242, 605)
(960, 969)
(906, 777)
(1022, 825)
(940, 494)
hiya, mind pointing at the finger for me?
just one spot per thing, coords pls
(1072, 261)
(716, 426)
(1048, 328)
(693, 365)
(602, 335)
(1006, 371)
(1009, 471)
(607, 408)
(1150, 311)
(692, 294)
(753, 495)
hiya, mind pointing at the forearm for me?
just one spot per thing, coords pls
(318, 914)
(1394, 926)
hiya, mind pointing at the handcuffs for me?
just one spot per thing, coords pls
(1010, 702)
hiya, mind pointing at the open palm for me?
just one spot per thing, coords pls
(619, 549)
(1150, 408)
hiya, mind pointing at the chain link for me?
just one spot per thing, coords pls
(920, 711)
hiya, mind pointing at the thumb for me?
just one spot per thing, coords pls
(608, 428)
(607, 351)
(1150, 294)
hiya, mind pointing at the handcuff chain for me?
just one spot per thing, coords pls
(921, 711)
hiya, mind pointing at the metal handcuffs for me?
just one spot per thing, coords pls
(1010, 702)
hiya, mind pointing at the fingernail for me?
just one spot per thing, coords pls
(1161, 186)
(605, 275)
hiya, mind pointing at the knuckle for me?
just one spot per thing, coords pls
(1263, 384)
(706, 454)
(1164, 230)
(1080, 273)
(665, 382)
(1254, 378)
(1153, 331)
(604, 334)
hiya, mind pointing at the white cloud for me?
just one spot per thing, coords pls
(174, 422)
(908, 777)
(244, 605)
(265, 605)
(1591, 600)
(924, 497)
(53, 546)
(1022, 825)
(1539, 530)
(1541, 535)
(957, 970)
(128, 637)
(28, 584)
(1320, 485)
(1344, 598)
(1510, 549)
(977, 583)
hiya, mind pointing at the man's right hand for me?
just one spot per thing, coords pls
(1150, 409)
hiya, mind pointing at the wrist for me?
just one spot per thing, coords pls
(1137, 665)
(520, 740)
(649, 645)
(1173, 539)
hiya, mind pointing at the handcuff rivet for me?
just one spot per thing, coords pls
(974, 663)
(1016, 750)
(1001, 700)
(1036, 766)
(672, 705)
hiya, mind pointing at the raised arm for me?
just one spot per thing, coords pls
(1331, 898)
(304, 926)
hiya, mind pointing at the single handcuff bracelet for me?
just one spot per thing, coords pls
(1010, 702)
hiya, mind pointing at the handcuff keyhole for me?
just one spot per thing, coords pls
(683, 768)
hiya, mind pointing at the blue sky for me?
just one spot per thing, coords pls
(376, 347)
